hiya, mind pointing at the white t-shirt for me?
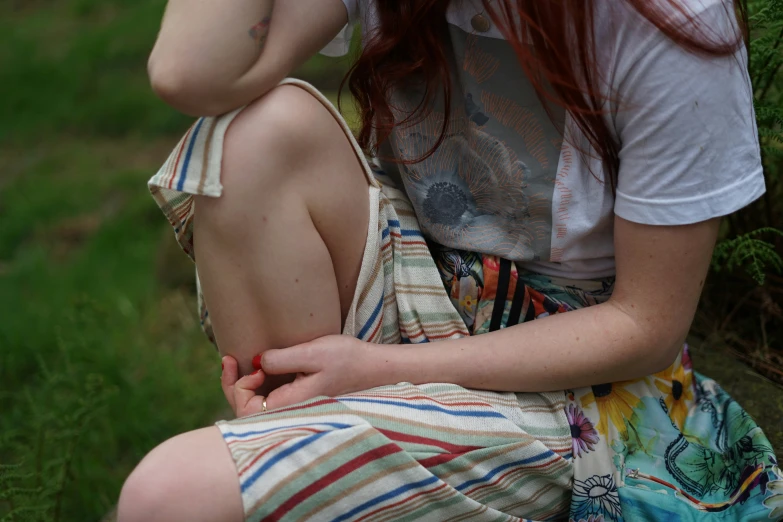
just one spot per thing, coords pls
(505, 182)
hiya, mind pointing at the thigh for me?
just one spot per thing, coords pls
(429, 452)
(288, 149)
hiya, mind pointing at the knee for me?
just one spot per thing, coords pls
(148, 489)
(266, 151)
(284, 126)
(189, 477)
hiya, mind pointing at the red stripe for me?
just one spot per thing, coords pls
(332, 477)
(397, 234)
(265, 435)
(500, 478)
(377, 327)
(415, 439)
(420, 333)
(437, 460)
(257, 457)
(185, 211)
(403, 501)
(179, 156)
(430, 399)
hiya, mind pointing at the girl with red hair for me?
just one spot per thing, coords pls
(391, 307)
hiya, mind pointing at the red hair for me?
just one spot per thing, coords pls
(559, 60)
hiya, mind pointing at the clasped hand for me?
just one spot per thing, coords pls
(330, 366)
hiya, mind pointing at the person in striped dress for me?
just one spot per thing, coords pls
(474, 309)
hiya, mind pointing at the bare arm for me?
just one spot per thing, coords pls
(639, 331)
(213, 56)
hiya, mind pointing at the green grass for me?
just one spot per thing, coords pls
(101, 355)
(82, 303)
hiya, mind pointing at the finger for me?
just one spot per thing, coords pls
(229, 378)
(296, 359)
(246, 399)
(300, 390)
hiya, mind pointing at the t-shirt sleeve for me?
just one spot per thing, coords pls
(341, 43)
(689, 143)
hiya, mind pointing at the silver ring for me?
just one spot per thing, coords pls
(263, 405)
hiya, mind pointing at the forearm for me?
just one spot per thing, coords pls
(208, 42)
(590, 346)
(212, 57)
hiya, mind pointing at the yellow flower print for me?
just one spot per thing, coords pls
(614, 403)
(677, 386)
(467, 303)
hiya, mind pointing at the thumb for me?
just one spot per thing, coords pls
(300, 390)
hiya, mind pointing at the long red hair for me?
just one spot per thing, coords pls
(559, 60)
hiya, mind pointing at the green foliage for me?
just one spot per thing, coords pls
(33, 487)
(743, 247)
(101, 354)
(755, 255)
(78, 67)
(99, 361)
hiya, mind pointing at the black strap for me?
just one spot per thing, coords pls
(504, 277)
(516, 303)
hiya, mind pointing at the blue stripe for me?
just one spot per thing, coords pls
(372, 318)
(427, 407)
(406, 340)
(386, 496)
(308, 424)
(393, 223)
(280, 456)
(498, 469)
(184, 171)
(385, 233)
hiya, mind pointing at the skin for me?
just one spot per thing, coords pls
(637, 332)
(295, 200)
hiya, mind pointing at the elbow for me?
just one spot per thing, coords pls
(189, 92)
(665, 353)
(663, 347)
(655, 342)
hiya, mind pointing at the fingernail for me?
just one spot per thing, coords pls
(257, 362)
(256, 372)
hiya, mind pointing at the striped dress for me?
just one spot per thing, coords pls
(671, 446)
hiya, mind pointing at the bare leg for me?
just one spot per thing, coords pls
(279, 253)
(278, 256)
(189, 477)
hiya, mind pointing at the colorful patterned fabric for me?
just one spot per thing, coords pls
(670, 446)
(431, 452)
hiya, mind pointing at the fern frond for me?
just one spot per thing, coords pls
(750, 253)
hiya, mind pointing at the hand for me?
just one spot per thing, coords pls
(241, 393)
(332, 365)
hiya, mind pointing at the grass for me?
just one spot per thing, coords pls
(81, 301)
(101, 355)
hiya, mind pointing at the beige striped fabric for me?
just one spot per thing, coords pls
(431, 452)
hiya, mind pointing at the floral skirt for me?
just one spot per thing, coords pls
(669, 446)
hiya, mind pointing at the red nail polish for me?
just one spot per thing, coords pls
(222, 366)
(257, 362)
(256, 372)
